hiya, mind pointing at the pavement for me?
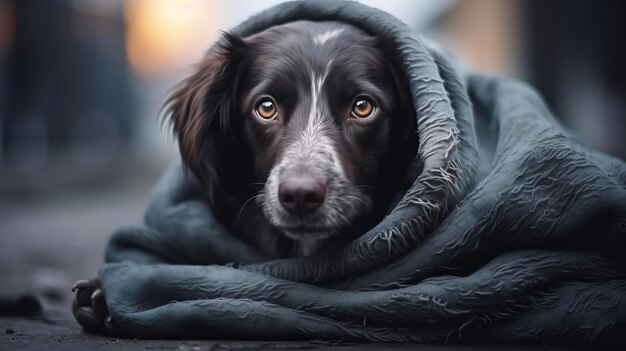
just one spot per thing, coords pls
(38, 334)
(55, 233)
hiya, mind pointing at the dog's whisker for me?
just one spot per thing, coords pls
(344, 218)
(245, 203)
(356, 199)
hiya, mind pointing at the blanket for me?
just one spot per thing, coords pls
(513, 231)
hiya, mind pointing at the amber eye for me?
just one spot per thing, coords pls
(363, 108)
(266, 109)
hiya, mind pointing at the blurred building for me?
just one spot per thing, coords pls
(572, 51)
(81, 81)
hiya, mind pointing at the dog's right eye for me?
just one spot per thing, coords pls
(266, 109)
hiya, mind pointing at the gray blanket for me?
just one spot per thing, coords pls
(513, 231)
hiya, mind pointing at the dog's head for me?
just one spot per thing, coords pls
(315, 113)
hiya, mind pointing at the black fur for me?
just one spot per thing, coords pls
(232, 152)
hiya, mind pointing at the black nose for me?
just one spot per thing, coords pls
(301, 194)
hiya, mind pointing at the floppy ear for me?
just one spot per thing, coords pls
(405, 127)
(404, 136)
(203, 113)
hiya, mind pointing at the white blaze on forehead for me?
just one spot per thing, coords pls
(314, 142)
(314, 123)
(314, 148)
(322, 38)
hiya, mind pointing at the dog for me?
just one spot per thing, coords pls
(300, 134)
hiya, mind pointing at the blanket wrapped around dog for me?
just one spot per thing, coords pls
(513, 231)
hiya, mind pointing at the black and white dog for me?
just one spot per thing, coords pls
(299, 133)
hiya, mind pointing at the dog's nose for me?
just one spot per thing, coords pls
(301, 194)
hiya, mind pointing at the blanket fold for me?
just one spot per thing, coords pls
(513, 231)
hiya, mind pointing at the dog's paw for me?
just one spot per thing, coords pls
(90, 309)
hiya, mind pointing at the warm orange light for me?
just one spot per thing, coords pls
(165, 35)
(7, 26)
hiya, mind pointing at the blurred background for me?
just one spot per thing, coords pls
(82, 81)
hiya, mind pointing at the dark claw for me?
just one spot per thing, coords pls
(97, 294)
(84, 288)
(81, 284)
(98, 303)
(89, 306)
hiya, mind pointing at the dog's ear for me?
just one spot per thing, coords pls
(404, 136)
(405, 127)
(404, 130)
(203, 114)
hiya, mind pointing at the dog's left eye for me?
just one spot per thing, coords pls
(266, 109)
(363, 108)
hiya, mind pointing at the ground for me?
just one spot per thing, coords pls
(25, 334)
